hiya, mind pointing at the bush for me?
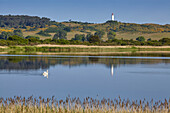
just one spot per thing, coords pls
(61, 34)
(80, 37)
(99, 33)
(51, 30)
(47, 41)
(68, 29)
(3, 43)
(19, 40)
(62, 41)
(140, 38)
(94, 39)
(42, 33)
(5, 35)
(18, 32)
(36, 37)
(111, 35)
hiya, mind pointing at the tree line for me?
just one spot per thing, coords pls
(16, 38)
(21, 21)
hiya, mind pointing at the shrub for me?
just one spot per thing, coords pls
(61, 34)
(36, 37)
(111, 35)
(94, 39)
(42, 33)
(140, 38)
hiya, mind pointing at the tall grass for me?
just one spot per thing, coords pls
(79, 49)
(75, 105)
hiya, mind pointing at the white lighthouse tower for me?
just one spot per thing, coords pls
(113, 17)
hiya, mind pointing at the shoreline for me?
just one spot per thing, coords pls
(85, 46)
(48, 49)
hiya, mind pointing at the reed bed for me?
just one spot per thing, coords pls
(75, 105)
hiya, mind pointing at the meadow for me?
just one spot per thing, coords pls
(119, 35)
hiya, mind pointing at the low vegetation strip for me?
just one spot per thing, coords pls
(75, 105)
(74, 49)
(86, 46)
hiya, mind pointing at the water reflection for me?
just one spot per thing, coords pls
(85, 76)
(43, 62)
(112, 70)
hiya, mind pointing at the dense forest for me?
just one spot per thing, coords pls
(21, 21)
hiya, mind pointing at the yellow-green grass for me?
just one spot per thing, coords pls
(34, 33)
(47, 48)
(119, 35)
(153, 36)
(70, 24)
(71, 35)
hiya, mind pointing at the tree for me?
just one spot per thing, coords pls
(18, 32)
(19, 40)
(99, 33)
(33, 38)
(52, 29)
(5, 35)
(164, 40)
(111, 35)
(68, 29)
(88, 36)
(94, 39)
(149, 39)
(60, 34)
(80, 37)
(15, 38)
(36, 37)
(140, 38)
(19, 21)
(43, 33)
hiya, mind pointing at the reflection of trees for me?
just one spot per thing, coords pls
(27, 62)
(93, 59)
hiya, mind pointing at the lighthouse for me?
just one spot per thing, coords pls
(113, 18)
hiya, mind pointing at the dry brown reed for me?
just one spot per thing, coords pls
(75, 105)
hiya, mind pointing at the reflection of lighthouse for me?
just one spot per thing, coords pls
(113, 18)
(112, 70)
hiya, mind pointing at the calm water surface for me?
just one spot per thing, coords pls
(109, 77)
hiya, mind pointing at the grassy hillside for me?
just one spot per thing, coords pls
(32, 25)
(119, 35)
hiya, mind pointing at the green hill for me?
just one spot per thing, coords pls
(36, 26)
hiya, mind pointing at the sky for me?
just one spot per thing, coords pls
(94, 11)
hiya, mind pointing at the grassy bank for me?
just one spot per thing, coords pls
(85, 50)
(75, 105)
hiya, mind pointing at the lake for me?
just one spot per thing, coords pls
(83, 76)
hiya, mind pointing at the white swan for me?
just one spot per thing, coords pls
(45, 74)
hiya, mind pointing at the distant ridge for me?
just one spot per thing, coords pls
(23, 21)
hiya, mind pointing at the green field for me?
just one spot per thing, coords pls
(119, 35)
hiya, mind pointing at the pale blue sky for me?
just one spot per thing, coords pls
(97, 11)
